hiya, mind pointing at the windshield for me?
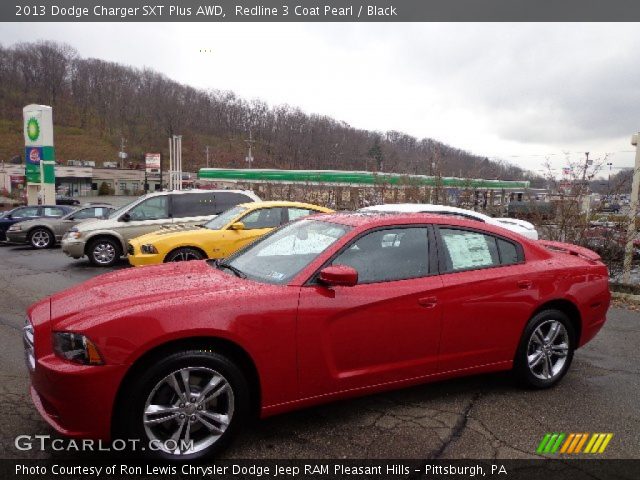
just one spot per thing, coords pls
(280, 256)
(225, 217)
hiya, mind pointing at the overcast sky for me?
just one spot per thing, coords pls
(519, 92)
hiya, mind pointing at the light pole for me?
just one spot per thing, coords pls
(633, 211)
(249, 157)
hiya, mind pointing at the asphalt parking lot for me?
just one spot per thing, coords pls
(479, 417)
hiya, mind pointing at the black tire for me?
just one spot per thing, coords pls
(104, 252)
(554, 356)
(151, 385)
(41, 238)
(184, 254)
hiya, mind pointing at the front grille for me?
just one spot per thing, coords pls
(28, 339)
(130, 249)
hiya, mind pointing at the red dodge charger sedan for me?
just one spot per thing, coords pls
(327, 307)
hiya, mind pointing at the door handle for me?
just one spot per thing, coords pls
(524, 284)
(427, 302)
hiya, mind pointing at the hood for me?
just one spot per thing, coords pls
(142, 286)
(176, 233)
(98, 224)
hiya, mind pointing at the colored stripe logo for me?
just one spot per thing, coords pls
(573, 443)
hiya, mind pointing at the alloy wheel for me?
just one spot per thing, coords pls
(104, 253)
(548, 349)
(188, 410)
(40, 239)
(184, 256)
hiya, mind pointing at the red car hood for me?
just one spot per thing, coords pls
(144, 285)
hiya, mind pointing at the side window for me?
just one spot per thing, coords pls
(226, 200)
(263, 218)
(154, 208)
(193, 205)
(386, 255)
(25, 212)
(466, 250)
(295, 213)
(85, 213)
(508, 252)
(53, 212)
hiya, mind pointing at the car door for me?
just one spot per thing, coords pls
(256, 224)
(384, 329)
(488, 293)
(145, 217)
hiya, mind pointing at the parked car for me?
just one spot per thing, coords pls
(324, 308)
(20, 214)
(219, 237)
(105, 241)
(45, 232)
(519, 226)
(62, 200)
(531, 209)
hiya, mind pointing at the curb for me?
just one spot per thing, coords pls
(626, 296)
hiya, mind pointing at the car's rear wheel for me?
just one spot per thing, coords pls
(546, 349)
(41, 238)
(104, 252)
(184, 254)
(187, 405)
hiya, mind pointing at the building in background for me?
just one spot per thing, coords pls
(84, 181)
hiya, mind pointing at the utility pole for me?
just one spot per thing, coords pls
(122, 153)
(249, 157)
(633, 212)
(207, 150)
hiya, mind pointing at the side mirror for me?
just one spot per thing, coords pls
(236, 226)
(338, 275)
(9, 216)
(125, 218)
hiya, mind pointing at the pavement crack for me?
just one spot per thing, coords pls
(458, 428)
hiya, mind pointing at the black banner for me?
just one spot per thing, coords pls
(320, 11)
(319, 469)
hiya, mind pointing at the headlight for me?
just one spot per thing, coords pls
(76, 348)
(148, 249)
(15, 228)
(74, 233)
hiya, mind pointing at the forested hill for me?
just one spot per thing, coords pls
(96, 103)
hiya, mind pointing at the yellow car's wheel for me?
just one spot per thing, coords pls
(184, 254)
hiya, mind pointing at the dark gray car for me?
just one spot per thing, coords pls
(45, 232)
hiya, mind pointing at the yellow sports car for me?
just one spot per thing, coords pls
(219, 237)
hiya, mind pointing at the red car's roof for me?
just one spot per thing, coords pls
(356, 219)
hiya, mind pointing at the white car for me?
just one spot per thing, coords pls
(522, 227)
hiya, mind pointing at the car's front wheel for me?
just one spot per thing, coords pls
(41, 238)
(187, 405)
(184, 254)
(546, 349)
(104, 252)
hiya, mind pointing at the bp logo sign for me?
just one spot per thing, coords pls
(33, 129)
